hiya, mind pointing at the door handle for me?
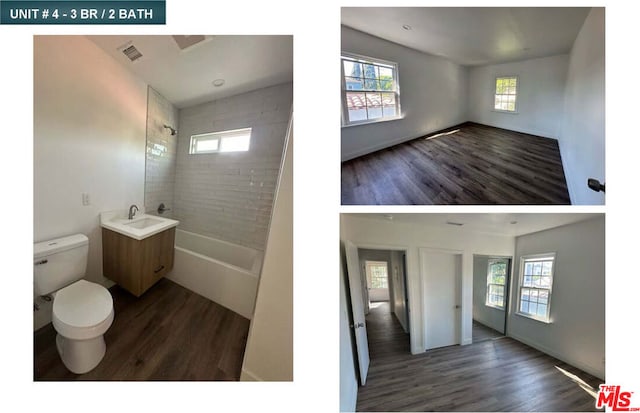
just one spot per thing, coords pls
(359, 325)
(457, 307)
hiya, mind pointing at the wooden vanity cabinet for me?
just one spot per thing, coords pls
(136, 265)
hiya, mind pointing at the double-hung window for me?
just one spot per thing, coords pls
(496, 280)
(536, 280)
(506, 93)
(370, 90)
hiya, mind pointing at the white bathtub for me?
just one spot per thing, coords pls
(223, 272)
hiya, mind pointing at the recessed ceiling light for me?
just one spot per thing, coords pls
(406, 27)
(218, 82)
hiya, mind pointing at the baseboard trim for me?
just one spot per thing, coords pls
(247, 375)
(394, 142)
(584, 367)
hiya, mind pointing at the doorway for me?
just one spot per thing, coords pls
(377, 284)
(491, 280)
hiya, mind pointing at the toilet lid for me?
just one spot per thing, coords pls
(82, 304)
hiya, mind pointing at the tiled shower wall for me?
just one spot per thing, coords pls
(229, 196)
(161, 153)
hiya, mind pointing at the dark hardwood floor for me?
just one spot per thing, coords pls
(169, 333)
(495, 375)
(478, 164)
(480, 332)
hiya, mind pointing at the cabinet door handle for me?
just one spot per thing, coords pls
(159, 269)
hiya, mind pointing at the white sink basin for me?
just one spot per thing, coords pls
(140, 227)
(142, 223)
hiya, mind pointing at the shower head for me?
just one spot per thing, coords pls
(173, 131)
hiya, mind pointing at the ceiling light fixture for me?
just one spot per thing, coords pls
(406, 27)
(218, 82)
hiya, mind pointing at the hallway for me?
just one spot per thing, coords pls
(494, 375)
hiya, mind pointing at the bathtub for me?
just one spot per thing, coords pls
(220, 271)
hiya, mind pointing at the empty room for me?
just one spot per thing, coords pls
(475, 106)
(472, 312)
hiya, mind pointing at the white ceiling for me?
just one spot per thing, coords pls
(497, 224)
(473, 36)
(185, 77)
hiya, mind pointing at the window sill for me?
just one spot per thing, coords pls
(369, 122)
(494, 306)
(540, 320)
(510, 112)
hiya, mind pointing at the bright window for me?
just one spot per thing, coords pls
(536, 279)
(226, 141)
(370, 90)
(496, 280)
(506, 94)
(377, 274)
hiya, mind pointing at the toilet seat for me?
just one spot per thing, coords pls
(82, 310)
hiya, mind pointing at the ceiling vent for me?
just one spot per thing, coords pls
(184, 42)
(131, 52)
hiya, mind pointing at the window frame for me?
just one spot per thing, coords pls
(343, 90)
(504, 286)
(551, 256)
(219, 136)
(370, 265)
(495, 93)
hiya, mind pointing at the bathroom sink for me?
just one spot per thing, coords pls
(143, 223)
(140, 227)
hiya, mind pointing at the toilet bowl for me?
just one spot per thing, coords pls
(82, 310)
(82, 313)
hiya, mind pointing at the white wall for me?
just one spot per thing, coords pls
(433, 95)
(583, 130)
(540, 100)
(489, 316)
(89, 136)
(369, 233)
(229, 196)
(576, 334)
(269, 352)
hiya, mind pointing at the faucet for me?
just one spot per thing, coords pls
(132, 213)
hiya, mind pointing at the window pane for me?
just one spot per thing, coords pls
(525, 294)
(389, 111)
(534, 295)
(546, 267)
(369, 71)
(235, 143)
(374, 105)
(205, 145)
(542, 310)
(353, 83)
(511, 106)
(371, 84)
(543, 297)
(352, 69)
(537, 268)
(512, 82)
(536, 281)
(524, 306)
(356, 106)
(500, 86)
(533, 308)
(545, 282)
(528, 268)
(528, 282)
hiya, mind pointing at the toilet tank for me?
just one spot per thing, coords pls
(59, 262)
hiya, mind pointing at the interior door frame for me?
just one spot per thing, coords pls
(407, 251)
(459, 281)
(507, 286)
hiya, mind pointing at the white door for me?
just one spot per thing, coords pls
(357, 307)
(441, 273)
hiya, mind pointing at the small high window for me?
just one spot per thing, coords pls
(506, 94)
(236, 140)
(370, 90)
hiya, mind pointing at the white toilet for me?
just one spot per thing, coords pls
(82, 310)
